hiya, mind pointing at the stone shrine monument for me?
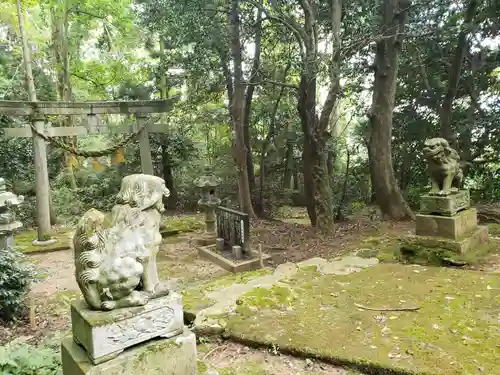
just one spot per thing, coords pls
(128, 322)
(8, 223)
(446, 219)
(208, 183)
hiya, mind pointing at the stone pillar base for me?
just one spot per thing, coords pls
(460, 246)
(453, 227)
(174, 356)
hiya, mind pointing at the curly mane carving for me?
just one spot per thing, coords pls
(444, 168)
(116, 266)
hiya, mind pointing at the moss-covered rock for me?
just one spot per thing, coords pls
(410, 252)
(195, 298)
(454, 331)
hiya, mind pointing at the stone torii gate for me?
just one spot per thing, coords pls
(38, 111)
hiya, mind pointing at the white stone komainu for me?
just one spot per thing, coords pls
(104, 335)
(128, 321)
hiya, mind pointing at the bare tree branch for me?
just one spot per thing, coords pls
(272, 82)
(289, 23)
(91, 80)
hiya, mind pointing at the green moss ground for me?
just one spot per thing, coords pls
(195, 299)
(456, 330)
(494, 230)
(23, 241)
(182, 224)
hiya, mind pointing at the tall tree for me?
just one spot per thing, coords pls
(455, 74)
(317, 187)
(237, 106)
(59, 15)
(393, 14)
(249, 97)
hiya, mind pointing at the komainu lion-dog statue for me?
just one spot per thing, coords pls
(116, 263)
(444, 167)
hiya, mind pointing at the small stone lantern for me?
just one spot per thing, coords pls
(208, 183)
(8, 221)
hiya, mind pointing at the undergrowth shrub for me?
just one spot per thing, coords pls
(15, 280)
(26, 359)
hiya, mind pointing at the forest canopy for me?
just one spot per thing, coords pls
(322, 104)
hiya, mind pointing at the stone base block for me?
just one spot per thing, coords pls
(460, 246)
(447, 205)
(453, 227)
(229, 263)
(174, 356)
(105, 334)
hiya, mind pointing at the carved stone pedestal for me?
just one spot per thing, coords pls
(105, 334)
(174, 356)
(447, 222)
(447, 205)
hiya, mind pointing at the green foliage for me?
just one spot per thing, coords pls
(26, 359)
(144, 49)
(15, 279)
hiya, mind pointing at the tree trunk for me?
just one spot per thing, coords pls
(289, 162)
(60, 47)
(387, 193)
(236, 109)
(248, 100)
(317, 187)
(42, 187)
(169, 178)
(310, 158)
(339, 216)
(267, 141)
(455, 74)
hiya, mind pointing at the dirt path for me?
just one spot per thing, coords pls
(58, 270)
(243, 360)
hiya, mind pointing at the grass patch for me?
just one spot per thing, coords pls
(455, 331)
(24, 241)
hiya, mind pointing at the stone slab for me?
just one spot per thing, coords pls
(445, 205)
(105, 334)
(173, 356)
(352, 319)
(453, 227)
(209, 252)
(460, 246)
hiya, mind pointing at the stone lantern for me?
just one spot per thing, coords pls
(208, 183)
(8, 221)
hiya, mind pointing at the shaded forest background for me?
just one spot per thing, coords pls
(323, 104)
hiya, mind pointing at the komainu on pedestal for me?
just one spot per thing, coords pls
(125, 305)
(443, 166)
(116, 266)
(446, 219)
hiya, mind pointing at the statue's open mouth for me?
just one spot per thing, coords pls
(428, 151)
